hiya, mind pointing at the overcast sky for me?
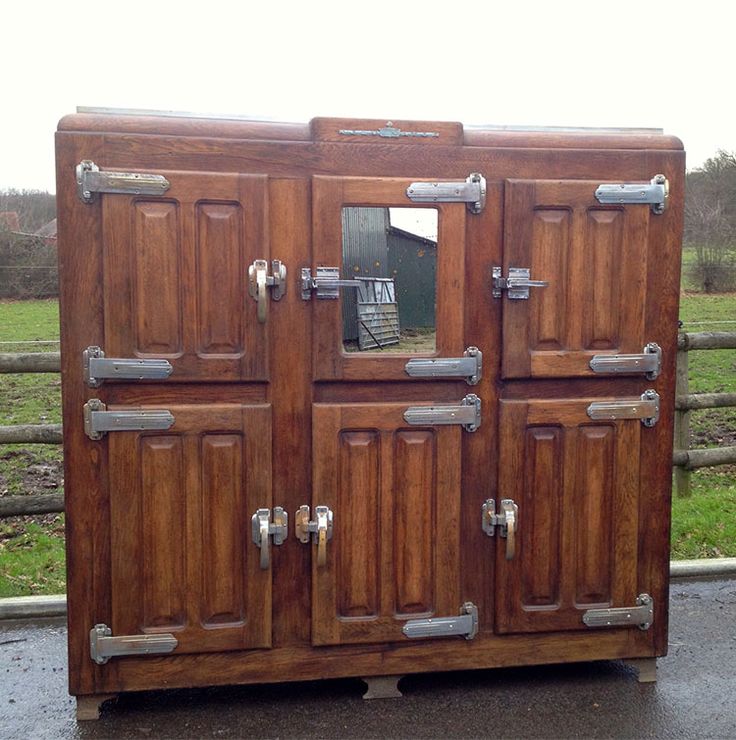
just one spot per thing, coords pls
(665, 63)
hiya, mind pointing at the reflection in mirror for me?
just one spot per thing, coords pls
(391, 253)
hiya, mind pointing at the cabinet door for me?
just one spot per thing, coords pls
(176, 276)
(594, 258)
(394, 491)
(576, 483)
(181, 503)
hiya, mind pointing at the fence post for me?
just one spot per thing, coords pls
(682, 421)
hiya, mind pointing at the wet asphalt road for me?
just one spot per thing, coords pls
(695, 696)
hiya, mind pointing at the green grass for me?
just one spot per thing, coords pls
(32, 548)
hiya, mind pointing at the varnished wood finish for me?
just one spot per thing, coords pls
(395, 494)
(576, 485)
(275, 414)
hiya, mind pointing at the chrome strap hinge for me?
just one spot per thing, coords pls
(263, 528)
(469, 367)
(516, 285)
(655, 193)
(465, 625)
(326, 283)
(471, 191)
(507, 522)
(103, 646)
(320, 529)
(90, 180)
(645, 408)
(641, 615)
(98, 420)
(97, 368)
(467, 414)
(649, 362)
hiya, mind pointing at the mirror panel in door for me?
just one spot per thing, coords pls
(338, 202)
(391, 254)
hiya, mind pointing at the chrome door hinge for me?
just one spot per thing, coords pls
(90, 180)
(469, 367)
(641, 615)
(320, 529)
(645, 408)
(465, 625)
(467, 414)
(327, 283)
(649, 362)
(471, 191)
(98, 420)
(517, 284)
(655, 193)
(103, 646)
(507, 522)
(97, 368)
(259, 280)
(263, 528)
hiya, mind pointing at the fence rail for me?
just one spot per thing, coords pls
(684, 460)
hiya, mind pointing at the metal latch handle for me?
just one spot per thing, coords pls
(506, 521)
(264, 528)
(259, 280)
(517, 284)
(320, 529)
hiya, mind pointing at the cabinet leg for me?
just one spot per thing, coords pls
(382, 687)
(88, 707)
(646, 668)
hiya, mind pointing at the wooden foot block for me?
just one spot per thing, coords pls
(382, 687)
(88, 707)
(646, 668)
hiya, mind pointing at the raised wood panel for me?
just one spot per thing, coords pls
(157, 250)
(595, 261)
(574, 483)
(220, 278)
(175, 282)
(395, 494)
(357, 543)
(181, 505)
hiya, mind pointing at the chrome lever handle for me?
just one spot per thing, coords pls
(509, 511)
(512, 283)
(265, 544)
(264, 528)
(320, 529)
(259, 280)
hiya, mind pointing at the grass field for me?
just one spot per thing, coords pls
(32, 548)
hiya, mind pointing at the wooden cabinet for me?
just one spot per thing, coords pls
(472, 451)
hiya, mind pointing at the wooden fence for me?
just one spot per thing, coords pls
(684, 459)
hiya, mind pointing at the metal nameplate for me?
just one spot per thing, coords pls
(472, 191)
(655, 193)
(465, 625)
(641, 615)
(389, 131)
(98, 368)
(467, 414)
(469, 367)
(645, 408)
(103, 646)
(91, 180)
(98, 420)
(649, 362)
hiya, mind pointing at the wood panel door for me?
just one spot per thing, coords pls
(181, 502)
(576, 483)
(176, 276)
(330, 196)
(594, 258)
(394, 491)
